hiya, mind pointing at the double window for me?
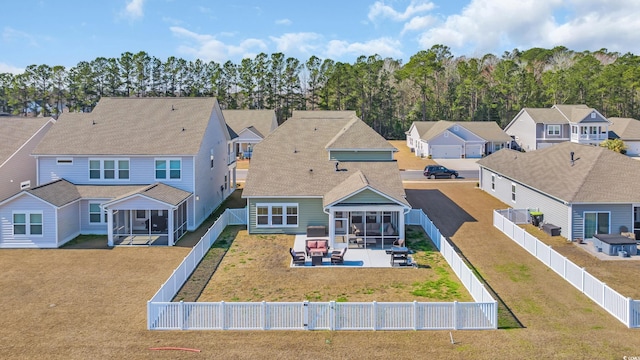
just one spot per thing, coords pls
(27, 223)
(553, 130)
(168, 169)
(268, 215)
(96, 214)
(109, 169)
(493, 182)
(513, 192)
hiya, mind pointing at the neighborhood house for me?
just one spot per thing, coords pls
(326, 173)
(251, 126)
(627, 130)
(141, 170)
(583, 189)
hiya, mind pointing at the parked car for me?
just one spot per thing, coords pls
(439, 171)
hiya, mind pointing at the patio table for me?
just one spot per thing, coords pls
(316, 257)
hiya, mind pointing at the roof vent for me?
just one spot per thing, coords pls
(93, 122)
(572, 159)
(182, 129)
(172, 108)
(310, 170)
(295, 150)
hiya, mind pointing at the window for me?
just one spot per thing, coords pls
(168, 169)
(493, 182)
(553, 129)
(27, 223)
(593, 130)
(96, 214)
(574, 129)
(276, 215)
(108, 169)
(513, 192)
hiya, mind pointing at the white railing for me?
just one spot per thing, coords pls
(622, 308)
(162, 314)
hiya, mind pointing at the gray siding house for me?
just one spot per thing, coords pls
(18, 137)
(337, 173)
(454, 140)
(140, 170)
(584, 189)
(534, 128)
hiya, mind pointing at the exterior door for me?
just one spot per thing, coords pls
(596, 223)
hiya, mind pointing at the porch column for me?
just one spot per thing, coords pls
(170, 214)
(401, 226)
(332, 228)
(109, 227)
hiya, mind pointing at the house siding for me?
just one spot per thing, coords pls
(68, 222)
(360, 155)
(141, 171)
(524, 128)
(450, 139)
(555, 212)
(309, 213)
(367, 197)
(30, 204)
(209, 182)
(621, 215)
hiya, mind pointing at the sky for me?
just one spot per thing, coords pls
(65, 32)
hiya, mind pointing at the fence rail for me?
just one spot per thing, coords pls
(622, 308)
(162, 314)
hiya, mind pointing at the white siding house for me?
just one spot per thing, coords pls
(627, 130)
(144, 170)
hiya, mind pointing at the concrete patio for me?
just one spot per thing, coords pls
(362, 258)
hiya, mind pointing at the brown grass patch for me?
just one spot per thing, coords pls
(408, 160)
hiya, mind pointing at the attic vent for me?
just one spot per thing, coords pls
(593, 115)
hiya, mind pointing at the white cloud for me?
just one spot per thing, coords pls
(284, 22)
(208, 47)
(380, 10)
(305, 43)
(6, 68)
(10, 35)
(491, 26)
(418, 23)
(385, 47)
(134, 9)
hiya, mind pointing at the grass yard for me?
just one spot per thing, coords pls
(408, 160)
(260, 264)
(91, 304)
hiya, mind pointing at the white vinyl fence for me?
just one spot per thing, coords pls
(622, 308)
(162, 314)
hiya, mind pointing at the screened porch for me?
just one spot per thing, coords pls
(375, 227)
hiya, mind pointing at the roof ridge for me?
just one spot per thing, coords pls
(586, 174)
(345, 128)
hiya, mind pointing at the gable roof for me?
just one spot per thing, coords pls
(57, 193)
(301, 168)
(624, 128)
(133, 126)
(264, 121)
(487, 130)
(356, 135)
(598, 175)
(16, 131)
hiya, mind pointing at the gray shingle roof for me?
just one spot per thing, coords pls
(625, 128)
(58, 192)
(261, 120)
(15, 131)
(132, 126)
(293, 161)
(598, 175)
(559, 114)
(488, 130)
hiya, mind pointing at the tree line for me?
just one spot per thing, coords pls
(385, 93)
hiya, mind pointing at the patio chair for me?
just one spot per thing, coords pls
(337, 256)
(399, 243)
(297, 256)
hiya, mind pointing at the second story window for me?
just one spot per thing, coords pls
(108, 169)
(553, 130)
(168, 169)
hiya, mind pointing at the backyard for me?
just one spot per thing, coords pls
(89, 301)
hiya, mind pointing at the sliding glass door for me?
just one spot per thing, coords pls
(596, 223)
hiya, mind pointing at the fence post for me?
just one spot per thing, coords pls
(374, 315)
(263, 313)
(222, 317)
(332, 315)
(629, 312)
(305, 315)
(455, 315)
(415, 314)
(604, 294)
(582, 280)
(181, 315)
